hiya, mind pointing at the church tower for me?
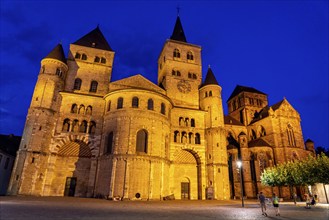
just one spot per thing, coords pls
(33, 154)
(216, 155)
(179, 69)
(245, 102)
(90, 61)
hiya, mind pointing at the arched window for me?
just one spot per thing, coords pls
(109, 106)
(84, 57)
(66, 125)
(175, 73)
(134, 102)
(210, 93)
(234, 105)
(190, 138)
(190, 75)
(197, 138)
(176, 53)
(141, 141)
(192, 122)
(77, 56)
(291, 136)
(262, 162)
(189, 55)
(163, 108)
(262, 132)
(184, 137)
(89, 110)
(93, 86)
(74, 108)
(81, 109)
(194, 76)
(120, 103)
(77, 84)
(103, 60)
(206, 94)
(59, 72)
(176, 136)
(83, 127)
(75, 126)
(186, 121)
(253, 135)
(181, 121)
(109, 146)
(92, 127)
(97, 59)
(150, 104)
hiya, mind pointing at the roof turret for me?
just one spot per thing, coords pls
(57, 53)
(210, 78)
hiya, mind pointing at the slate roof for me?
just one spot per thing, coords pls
(260, 115)
(94, 39)
(258, 143)
(239, 89)
(229, 120)
(210, 78)
(9, 144)
(178, 33)
(57, 53)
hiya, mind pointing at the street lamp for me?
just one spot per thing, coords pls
(239, 164)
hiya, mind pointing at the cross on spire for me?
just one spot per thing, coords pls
(178, 8)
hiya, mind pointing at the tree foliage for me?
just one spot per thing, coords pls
(304, 172)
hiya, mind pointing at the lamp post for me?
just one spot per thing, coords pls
(239, 164)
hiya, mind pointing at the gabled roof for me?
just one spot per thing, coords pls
(260, 115)
(229, 120)
(178, 33)
(258, 143)
(57, 53)
(9, 143)
(94, 39)
(239, 89)
(277, 105)
(135, 82)
(210, 78)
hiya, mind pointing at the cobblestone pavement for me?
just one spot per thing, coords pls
(64, 208)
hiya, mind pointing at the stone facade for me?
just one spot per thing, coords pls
(87, 136)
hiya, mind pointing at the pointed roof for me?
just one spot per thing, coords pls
(239, 89)
(57, 53)
(95, 39)
(178, 33)
(210, 78)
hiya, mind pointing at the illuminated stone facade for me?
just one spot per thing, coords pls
(88, 136)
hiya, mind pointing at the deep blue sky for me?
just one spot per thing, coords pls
(278, 47)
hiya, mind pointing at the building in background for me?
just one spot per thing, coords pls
(88, 136)
(9, 145)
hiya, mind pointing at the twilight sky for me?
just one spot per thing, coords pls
(278, 47)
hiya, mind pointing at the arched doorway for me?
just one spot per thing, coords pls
(187, 175)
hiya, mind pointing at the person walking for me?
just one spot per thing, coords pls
(275, 201)
(295, 198)
(262, 200)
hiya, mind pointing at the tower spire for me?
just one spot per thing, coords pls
(178, 33)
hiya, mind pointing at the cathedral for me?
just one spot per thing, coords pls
(88, 136)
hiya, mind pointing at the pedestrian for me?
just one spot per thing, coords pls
(275, 201)
(308, 201)
(262, 200)
(295, 198)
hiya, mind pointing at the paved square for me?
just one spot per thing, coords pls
(32, 208)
